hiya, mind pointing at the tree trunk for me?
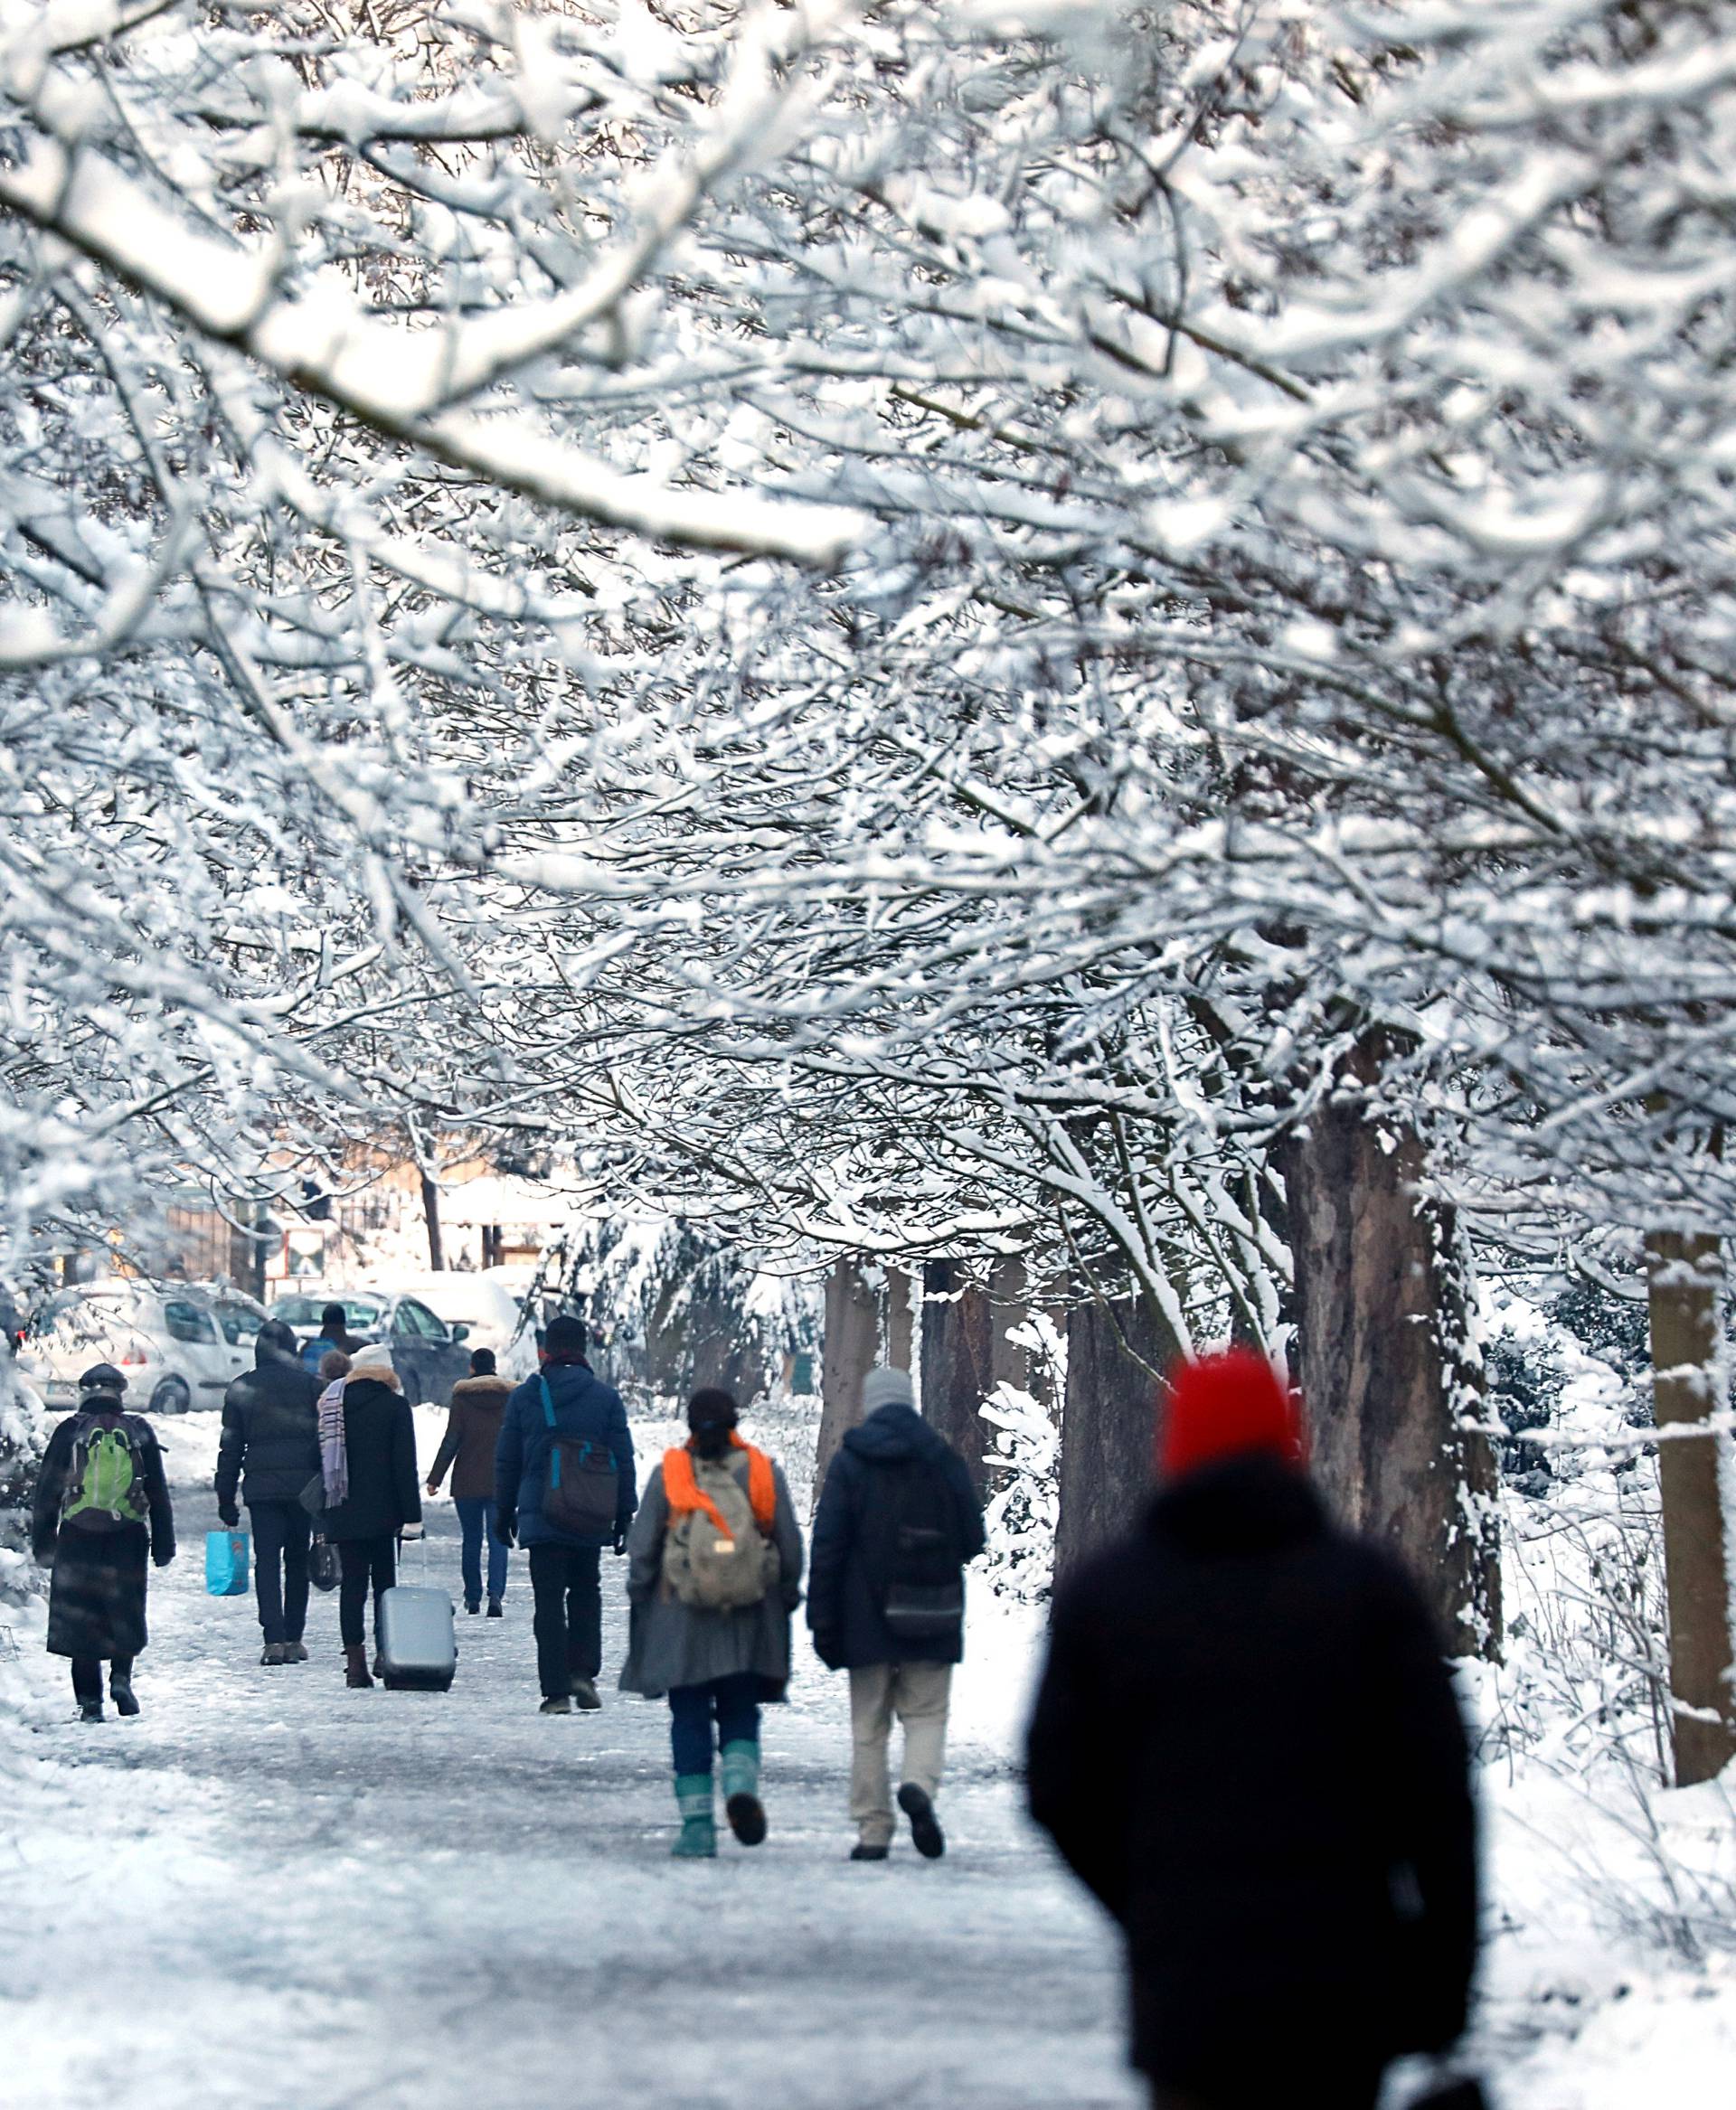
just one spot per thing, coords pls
(1382, 1288)
(1685, 1277)
(1008, 1364)
(847, 1356)
(1115, 1352)
(900, 1295)
(957, 1362)
(431, 1210)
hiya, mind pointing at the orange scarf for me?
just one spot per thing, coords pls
(684, 1497)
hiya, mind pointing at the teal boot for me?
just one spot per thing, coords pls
(698, 1840)
(741, 1803)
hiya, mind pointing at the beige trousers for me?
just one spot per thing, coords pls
(919, 1694)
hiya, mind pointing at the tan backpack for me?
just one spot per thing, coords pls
(717, 1554)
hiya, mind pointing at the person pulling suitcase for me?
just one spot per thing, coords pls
(381, 1502)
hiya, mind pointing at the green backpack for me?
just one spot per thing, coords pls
(105, 1487)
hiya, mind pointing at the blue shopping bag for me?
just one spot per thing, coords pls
(226, 1564)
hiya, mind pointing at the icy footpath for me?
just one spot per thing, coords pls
(270, 1891)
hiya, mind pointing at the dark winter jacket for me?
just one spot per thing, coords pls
(1246, 1744)
(847, 1563)
(57, 1464)
(472, 1437)
(270, 1443)
(583, 1407)
(380, 1446)
(97, 1586)
(315, 1352)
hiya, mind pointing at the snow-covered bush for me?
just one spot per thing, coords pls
(1023, 1454)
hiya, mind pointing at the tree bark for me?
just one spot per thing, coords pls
(847, 1356)
(900, 1292)
(431, 1211)
(1684, 1274)
(1381, 1290)
(1008, 1364)
(1115, 1351)
(957, 1362)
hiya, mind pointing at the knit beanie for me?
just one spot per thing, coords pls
(566, 1339)
(1229, 1405)
(886, 1387)
(103, 1376)
(365, 1361)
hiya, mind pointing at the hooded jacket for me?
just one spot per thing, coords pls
(472, 1437)
(380, 1447)
(583, 1407)
(1246, 1744)
(845, 1592)
(270, 1440)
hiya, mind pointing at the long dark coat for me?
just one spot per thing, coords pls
(380, 1444)
(671, 1643)
(845, 1595)
(97, 1578)
(1246, 1744)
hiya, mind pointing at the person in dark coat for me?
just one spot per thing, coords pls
(894, 1476)
(268, 1452)
(473, 1419)
(333, 1333)
(718, 1666)
(1246, 1744)
(383, 1501)
(101, 1508)
(566, 1399)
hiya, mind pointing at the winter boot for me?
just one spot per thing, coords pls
(861, 1850)
(295, 1651)
(355, 1666)
(698, 1840)
(742, 1803)
(90, 1710)
(560, 1704)
(925, 1834)
(473, 1605)
(495, 1609)
(274, 1652)
(125, 1701)
(585, 1696)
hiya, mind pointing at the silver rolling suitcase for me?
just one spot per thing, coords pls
(418, 1650)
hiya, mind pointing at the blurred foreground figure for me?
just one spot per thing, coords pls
(1246, 1744)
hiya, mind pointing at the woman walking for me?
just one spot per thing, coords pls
(714, 1572)
(373, 1462)
(472, 1436)
(102, 1506)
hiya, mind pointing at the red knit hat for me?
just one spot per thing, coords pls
(1227, 1405)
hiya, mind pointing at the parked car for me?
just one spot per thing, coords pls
(178, 1344)
(484, 1307)
(428, 1355)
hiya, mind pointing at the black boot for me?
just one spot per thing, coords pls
(126, 1699)
(91, 1711)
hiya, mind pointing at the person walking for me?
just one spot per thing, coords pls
(382, 1502)
(101, 1509)
(1246, 1745)
(473, 1420)
(563, 1429)
(898, 1521)
(715, 1570)
(333, 1333)
(268, 1452)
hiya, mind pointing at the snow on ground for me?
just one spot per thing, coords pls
(271, 1892)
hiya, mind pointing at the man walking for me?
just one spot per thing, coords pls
(334, 1333)
(269, 1452)
(564, 1487)
(472, 1437)
(1247, 1748)
(898, 1520)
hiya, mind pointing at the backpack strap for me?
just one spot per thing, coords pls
(686, 1495)
(548, 1402)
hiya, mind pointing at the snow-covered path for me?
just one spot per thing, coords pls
(270, 1891)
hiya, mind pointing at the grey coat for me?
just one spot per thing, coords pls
(671, 1643)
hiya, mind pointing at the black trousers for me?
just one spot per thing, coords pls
(566, 1582)
(282, 1532)
(87, 1675)
(361, 1562)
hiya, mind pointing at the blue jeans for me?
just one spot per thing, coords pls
(474, 1513)
(732, 1701)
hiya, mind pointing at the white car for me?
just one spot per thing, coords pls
(486, 1307)
(177, 1344)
